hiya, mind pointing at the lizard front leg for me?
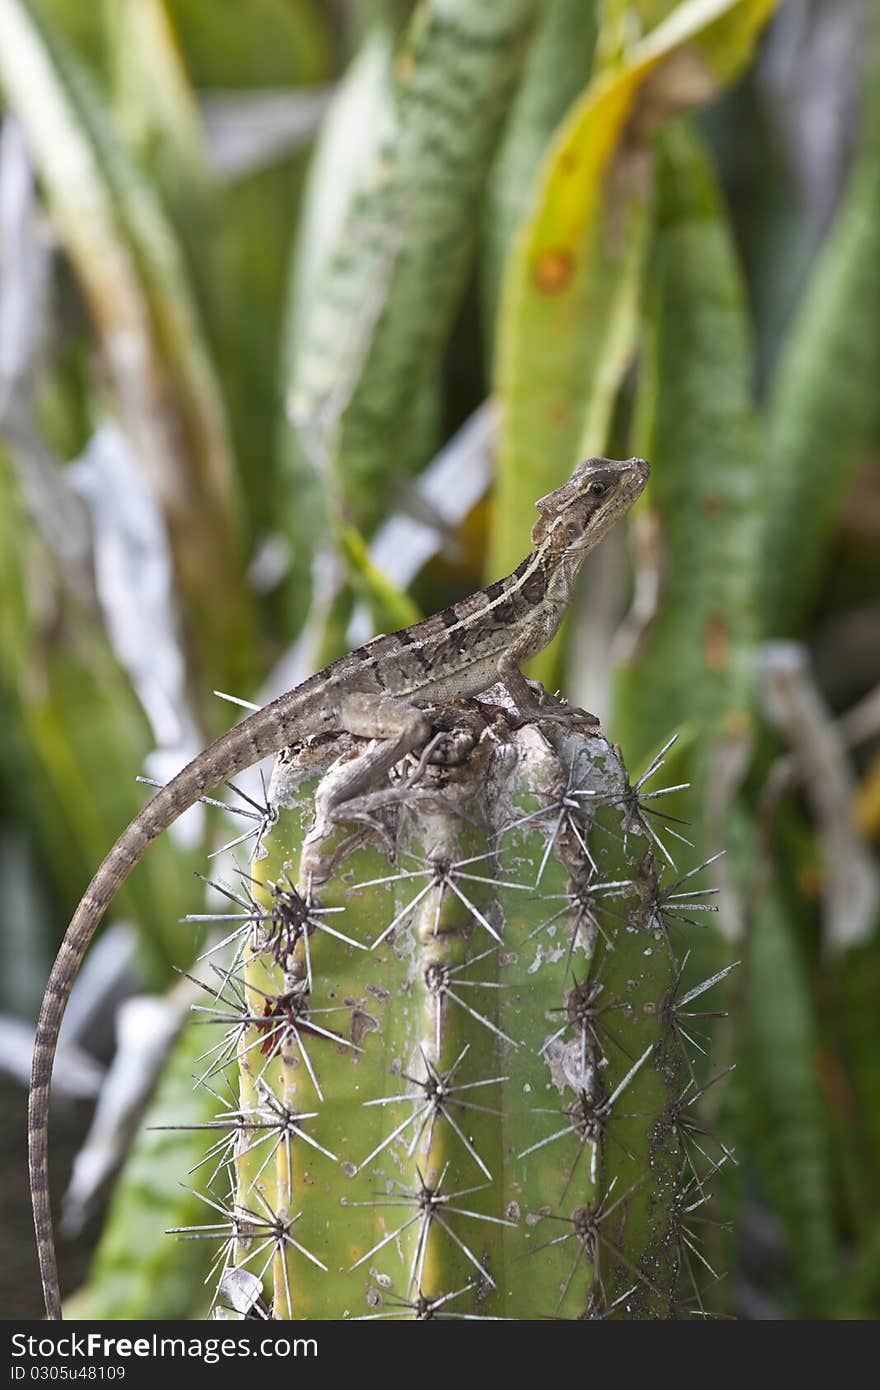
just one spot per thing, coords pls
(523, 696)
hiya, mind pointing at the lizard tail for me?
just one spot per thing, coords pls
(254, 738)
(113, 871)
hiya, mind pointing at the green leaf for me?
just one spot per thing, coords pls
(238, 232)
(577, 254)
(75, 741)
(788, 1134)
(346, 142)
(851, 1018)
(556, 72)
(693, 659)
(132, 275)
(139, 1270)
(384, 305)
(260, 43)
(154, 101)
(390, 608)
(824, 409)
(690, 656)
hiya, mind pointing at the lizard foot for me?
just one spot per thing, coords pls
(566, 714)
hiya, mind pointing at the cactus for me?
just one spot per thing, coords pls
(459, 1030)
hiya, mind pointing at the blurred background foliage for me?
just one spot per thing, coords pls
(303, 303)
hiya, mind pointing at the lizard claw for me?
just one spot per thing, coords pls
(560, 714)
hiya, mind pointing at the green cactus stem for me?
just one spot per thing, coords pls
(459, 1031)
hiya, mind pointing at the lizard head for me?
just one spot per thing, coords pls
(576, 516)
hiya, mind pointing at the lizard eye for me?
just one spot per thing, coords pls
(597, 489)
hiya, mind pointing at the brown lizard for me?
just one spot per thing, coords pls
(376, 692)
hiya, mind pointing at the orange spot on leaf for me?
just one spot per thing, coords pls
(810, 881)
(553, 270)
(836, 1085)
(717, 643)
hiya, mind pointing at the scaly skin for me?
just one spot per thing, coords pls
(375, 691)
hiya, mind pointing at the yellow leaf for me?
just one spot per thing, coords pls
(568, 319)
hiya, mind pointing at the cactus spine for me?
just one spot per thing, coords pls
(462, 1084)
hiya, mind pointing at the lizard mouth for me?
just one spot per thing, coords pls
(632, 483)
(636, 476)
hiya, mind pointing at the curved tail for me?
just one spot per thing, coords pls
(256, 737)
(113, 871)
